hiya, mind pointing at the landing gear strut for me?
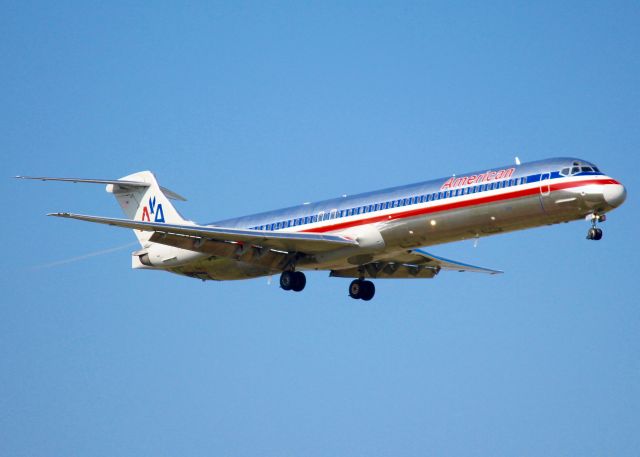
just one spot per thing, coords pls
(361, 289)
(293, 280)
(595, 233)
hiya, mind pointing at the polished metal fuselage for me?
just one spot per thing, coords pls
(382, 234)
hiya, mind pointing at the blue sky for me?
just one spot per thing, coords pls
(246, 107)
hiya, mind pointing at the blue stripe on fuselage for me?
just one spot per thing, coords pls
(531, 171)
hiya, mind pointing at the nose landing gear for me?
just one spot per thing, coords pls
(595, 233)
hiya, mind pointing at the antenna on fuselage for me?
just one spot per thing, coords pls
(517, 160)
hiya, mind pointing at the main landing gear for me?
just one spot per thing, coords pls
(358, 289)
(293, 280)
(595, 233)
(361, 289)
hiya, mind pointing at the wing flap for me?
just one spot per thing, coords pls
(288, 241)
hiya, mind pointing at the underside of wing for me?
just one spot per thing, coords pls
(194, 237)
(415, 263)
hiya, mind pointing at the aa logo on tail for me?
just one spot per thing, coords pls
(153, 209)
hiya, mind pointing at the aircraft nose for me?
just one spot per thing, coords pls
(615, 194)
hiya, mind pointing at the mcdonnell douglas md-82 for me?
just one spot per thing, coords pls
(373, 235)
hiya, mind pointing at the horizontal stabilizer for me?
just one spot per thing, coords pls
(287, 241)
(118, 182)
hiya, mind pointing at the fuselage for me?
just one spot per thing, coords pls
(458, 207)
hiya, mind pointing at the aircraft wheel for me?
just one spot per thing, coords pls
(594, 233)
(361, 289)
(598, 235)
(355, 288)
(299, 281)
(367, 290)
(287, 280)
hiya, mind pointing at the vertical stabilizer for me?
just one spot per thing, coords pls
(149, 203)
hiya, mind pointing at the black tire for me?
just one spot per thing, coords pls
(299, 281)
(591, 234)
(598, 234)
(368, 290)
(287, 280)
(355, 289)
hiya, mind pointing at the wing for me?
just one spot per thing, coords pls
(415, 263)
(307, 243)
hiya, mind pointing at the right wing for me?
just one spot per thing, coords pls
(306, 243)
(415, 263)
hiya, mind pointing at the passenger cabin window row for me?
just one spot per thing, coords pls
(435, 196)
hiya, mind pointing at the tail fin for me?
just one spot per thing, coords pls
(148, 202)
(139, 196)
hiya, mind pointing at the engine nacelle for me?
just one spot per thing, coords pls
(163, 256)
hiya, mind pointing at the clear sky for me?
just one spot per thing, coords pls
(244, 107)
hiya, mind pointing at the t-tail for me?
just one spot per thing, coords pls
(140, 197)
(147, 201)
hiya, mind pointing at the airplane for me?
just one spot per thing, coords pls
(373, 235)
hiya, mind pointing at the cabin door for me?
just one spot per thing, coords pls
(545, 190)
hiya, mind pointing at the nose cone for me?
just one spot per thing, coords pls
(615, 194)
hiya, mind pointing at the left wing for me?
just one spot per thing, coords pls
(307, 243)
(415, 263)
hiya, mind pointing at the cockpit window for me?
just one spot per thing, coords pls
(579, 167)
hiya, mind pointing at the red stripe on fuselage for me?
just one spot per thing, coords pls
(457, 205)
